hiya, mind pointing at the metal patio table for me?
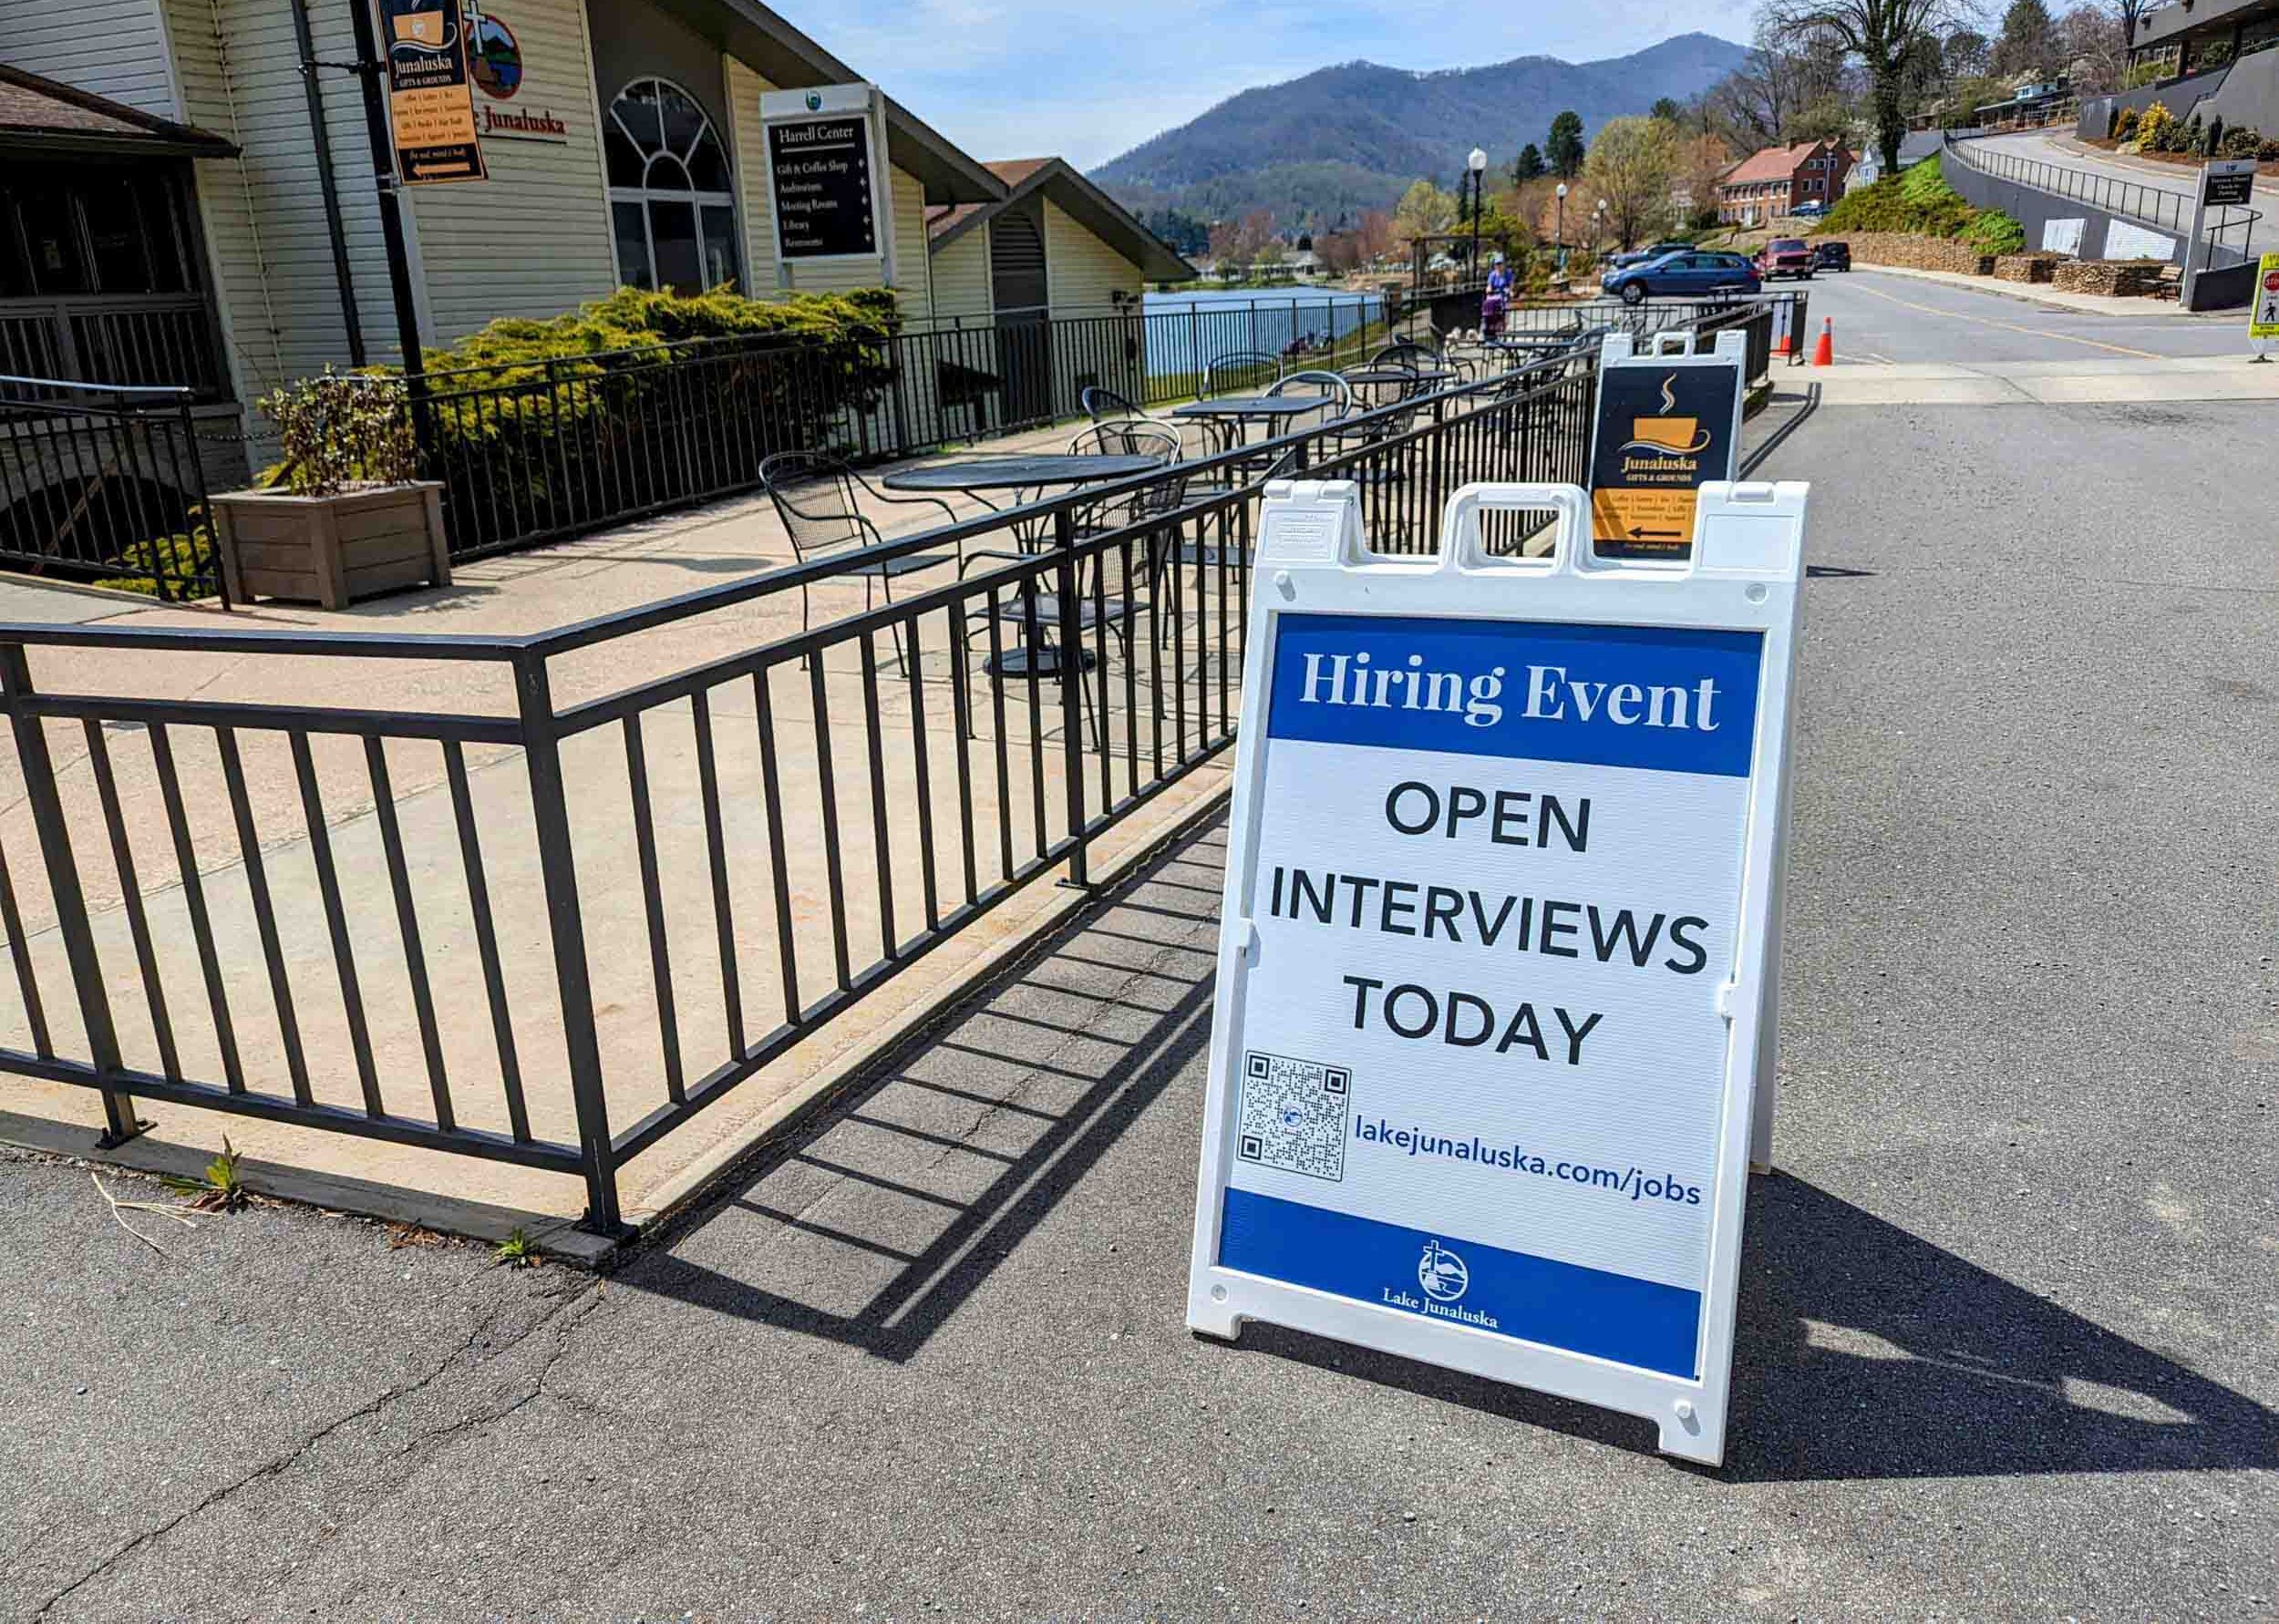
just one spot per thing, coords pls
(1395, 381)
(1024, 474)
(1021, 474)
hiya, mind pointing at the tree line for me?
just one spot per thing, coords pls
(1822, 68)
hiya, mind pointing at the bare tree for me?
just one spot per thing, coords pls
(2096, 51)
(1758, 103)
(1880, 34)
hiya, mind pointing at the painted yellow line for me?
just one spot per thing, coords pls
(2095, 344)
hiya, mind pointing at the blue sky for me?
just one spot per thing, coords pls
(1022, 78)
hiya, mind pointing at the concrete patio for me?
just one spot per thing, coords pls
(546, 587)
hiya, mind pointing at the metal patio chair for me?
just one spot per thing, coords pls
(815, 496)
(1336, 394)
(1241, 372)
(1407, 353)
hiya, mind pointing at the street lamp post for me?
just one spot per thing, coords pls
(1478, 165)
(1558, 229)
(1598, 224)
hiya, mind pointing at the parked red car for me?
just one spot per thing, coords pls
(1785, 256)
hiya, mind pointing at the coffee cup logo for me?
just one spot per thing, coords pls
(1669, 432)
(418, 27)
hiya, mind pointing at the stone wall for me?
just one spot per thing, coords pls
(2024, 267)
(2124, 278)
(1917, 253)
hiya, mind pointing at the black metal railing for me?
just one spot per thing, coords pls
(104, 484)
(572, 446)
(564, 928)
(2227, 228)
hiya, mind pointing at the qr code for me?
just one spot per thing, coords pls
(1294, 1116)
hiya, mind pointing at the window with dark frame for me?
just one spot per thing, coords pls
(92, 228)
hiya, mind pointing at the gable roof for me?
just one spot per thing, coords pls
(1771, 163)
(1086, 203)
(763, 41)
(50, 115)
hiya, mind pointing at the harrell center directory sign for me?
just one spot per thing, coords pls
(430, 108)
(1667, 423)
(824, 148)
(1493, 977)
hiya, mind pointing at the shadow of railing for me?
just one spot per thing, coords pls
(890, 1211)
(1863, 1351)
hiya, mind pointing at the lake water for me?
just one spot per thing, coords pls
(1187, 330)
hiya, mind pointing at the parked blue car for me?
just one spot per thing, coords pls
(1691, 274)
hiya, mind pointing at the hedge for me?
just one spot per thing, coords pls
(645, 398)
(1919, 200)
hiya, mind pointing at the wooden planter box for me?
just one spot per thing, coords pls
(332, 550)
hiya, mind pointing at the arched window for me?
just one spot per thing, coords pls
(672, 201)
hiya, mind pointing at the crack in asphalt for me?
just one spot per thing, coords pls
(563, 1304)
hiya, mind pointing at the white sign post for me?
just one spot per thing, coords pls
(1495, 970)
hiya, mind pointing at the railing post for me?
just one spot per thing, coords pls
(120, 1124)
(1071, 668)
(566, 924)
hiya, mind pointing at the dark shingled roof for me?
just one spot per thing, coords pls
(41, 112)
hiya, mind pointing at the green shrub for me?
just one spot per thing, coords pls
(618, 334)
(1993, 232)
(1919, 203)
(158, 567)
(2241, 143)
(2124, 126)
(546, 423)
(2267, 150)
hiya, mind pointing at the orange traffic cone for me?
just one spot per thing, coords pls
(1785, 345)
(1824, 352)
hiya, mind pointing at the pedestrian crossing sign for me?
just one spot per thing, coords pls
(2262, 321)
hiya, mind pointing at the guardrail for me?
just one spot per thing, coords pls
(2152, 206)
(618, 436)
(99, 483)
(563, 930)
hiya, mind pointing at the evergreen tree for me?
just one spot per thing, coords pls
(1667, 110)
(1563, 151)
(1528, 165)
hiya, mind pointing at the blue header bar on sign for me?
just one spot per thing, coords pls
(1666, 698)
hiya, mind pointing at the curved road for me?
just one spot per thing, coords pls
(2046, 146)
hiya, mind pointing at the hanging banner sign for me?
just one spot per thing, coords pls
(2262, 310)
(823, 151)
(430, 103)
(1494, 978)
(1667, 423)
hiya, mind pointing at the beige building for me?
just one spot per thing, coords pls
(624, 143)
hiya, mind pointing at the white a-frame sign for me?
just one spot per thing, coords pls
(1495, 974)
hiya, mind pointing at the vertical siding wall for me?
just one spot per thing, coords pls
(534, 239)
(263, 212)
(747, 150)
(961, 275)
(112, 48)
(1080, 270)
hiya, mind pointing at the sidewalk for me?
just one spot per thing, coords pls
(822, 862)
(2058, 298)
(2114, 380)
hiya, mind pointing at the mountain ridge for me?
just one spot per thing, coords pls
(1354, 135)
